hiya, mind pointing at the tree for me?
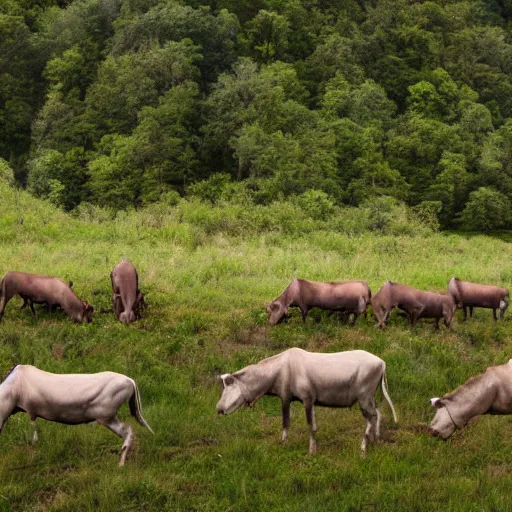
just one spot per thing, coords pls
(267, 36)
(486, 210)
(450, 186)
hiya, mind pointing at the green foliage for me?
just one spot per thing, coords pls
(316, 203)
(428, 213)
(124, 102)
(486, 210)
(6, 173)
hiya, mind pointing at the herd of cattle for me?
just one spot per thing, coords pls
(354, 297)
(332, 380)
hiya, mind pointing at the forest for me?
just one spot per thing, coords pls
(338, 103)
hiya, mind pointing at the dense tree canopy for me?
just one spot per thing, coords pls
(117, 103)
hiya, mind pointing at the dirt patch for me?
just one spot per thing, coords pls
(58, 351)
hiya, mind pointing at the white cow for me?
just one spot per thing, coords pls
(71, 399)
(487, 393)
(332, 380)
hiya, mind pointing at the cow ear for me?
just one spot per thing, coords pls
(436, 402)
(227, 379)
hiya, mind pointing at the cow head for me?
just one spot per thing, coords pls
(276, 312)
(87, 312)
(442, 425)
(232, 394)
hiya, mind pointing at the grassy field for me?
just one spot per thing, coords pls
(206, 293)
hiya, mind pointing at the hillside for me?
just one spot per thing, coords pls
(119, 103)
(206, 291)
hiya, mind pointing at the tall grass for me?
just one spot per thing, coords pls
(207, 278)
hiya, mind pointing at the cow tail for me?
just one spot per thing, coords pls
(384, 385)
(136, 408)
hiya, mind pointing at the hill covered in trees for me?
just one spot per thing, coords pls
(126, 103)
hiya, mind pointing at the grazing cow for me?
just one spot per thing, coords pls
(346, 296)
(127, 299)
(71, 399)
(478, 295)
(487, 393)
(38, 289)
(416, 304)
(331, 380)
(48, 307)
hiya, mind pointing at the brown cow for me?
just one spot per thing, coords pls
(351, 297)
(478, 295)
(487, 393)
(48, 307)
(416, 303)
(36, 288)
(127, 299)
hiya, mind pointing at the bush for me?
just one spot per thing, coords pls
(486, 209)
(219, 187)
(316, 203)
(6, 173)
(428, 212)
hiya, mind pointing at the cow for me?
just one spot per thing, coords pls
(71, 399)
(473, 295)
(350, 297)
(36, 288)
(332, 380)
(48, 307)
(487, 393)
(416, 304)
(127, 299)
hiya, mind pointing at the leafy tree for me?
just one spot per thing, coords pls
(215, 34)
(157, 157)
(132, 81)
(450, 187)
(486, 210)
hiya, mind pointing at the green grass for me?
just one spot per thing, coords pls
(206, 293)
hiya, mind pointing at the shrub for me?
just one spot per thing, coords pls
(6, 173)
(486, 209)
(316, 203)
(428, 212)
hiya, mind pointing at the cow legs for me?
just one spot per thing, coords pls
(354, 319)
(285, 408)
(372, 417)
(35, 435)
(117, 304)
(123, 431)
(304, 312)
(436, 324)
(503, 309)
(310, 418)
(465, 309)
(3, 302)
(494, 315)
(471, 311)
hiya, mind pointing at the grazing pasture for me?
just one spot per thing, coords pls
(206, 291)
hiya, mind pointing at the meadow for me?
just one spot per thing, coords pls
(206, 283)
